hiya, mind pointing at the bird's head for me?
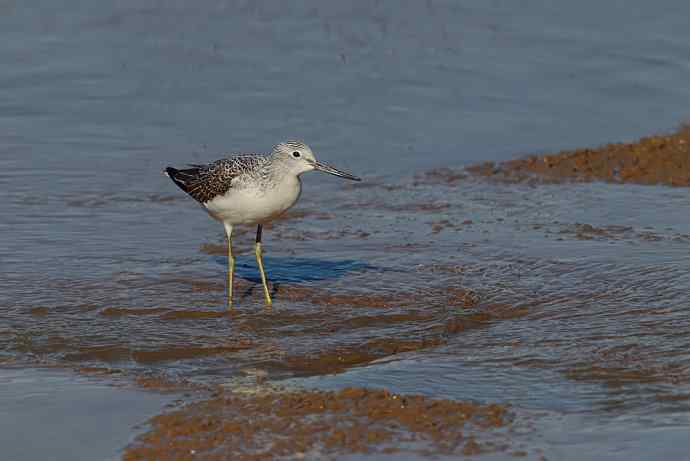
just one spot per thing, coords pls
(300, 159)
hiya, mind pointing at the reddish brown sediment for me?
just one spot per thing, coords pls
(613, 360)
(390, 322)
(589, 232)
(662, 159)
(156, 382)
(615, 375)
(40, 311)
(321, 298)
(618, 365)
(421, 207)
(153, 381)
(187, 352)
(122, 311)
(448, 176)
(583, 231)
(426, 328)
(269, 424)
(673, 397)
(611, 232)
(341, 358)
(446, 224)
(180, 352)
(199, 285)
(99, 371)
(448, 297)
(406, 247)
(195, 314)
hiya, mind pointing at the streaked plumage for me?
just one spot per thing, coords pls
(250, 189)
(204, 182)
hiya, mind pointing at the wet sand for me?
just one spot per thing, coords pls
(512, 340)
(514, 298)
(267, 424)
(662, 159)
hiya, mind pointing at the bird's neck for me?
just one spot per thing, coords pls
(281, 169)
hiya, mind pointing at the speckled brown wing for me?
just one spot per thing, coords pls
(205, 182)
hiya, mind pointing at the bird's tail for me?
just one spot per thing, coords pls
(184, 179)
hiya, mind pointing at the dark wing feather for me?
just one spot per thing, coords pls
(205, 182)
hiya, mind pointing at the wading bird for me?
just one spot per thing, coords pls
(251, 189)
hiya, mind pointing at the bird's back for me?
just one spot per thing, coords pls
(206, 182)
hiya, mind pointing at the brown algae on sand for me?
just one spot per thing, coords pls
(661, 159)
(264, 425)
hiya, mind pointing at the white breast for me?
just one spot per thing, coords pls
(252, 205)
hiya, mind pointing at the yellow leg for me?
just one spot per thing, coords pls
(260, 262)
(231, 264)
(231, 271)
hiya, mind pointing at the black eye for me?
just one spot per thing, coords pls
(296, 154)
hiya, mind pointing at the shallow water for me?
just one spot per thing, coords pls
(48, 414)
(566, 299)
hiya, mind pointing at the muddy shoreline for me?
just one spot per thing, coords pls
(314, 423)
(652, 160)
(267, 423)
(446, 274)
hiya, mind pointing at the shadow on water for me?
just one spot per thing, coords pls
(295, 270)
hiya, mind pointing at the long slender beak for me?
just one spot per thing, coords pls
(334, 171)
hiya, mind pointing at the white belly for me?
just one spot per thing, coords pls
(249, 205)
